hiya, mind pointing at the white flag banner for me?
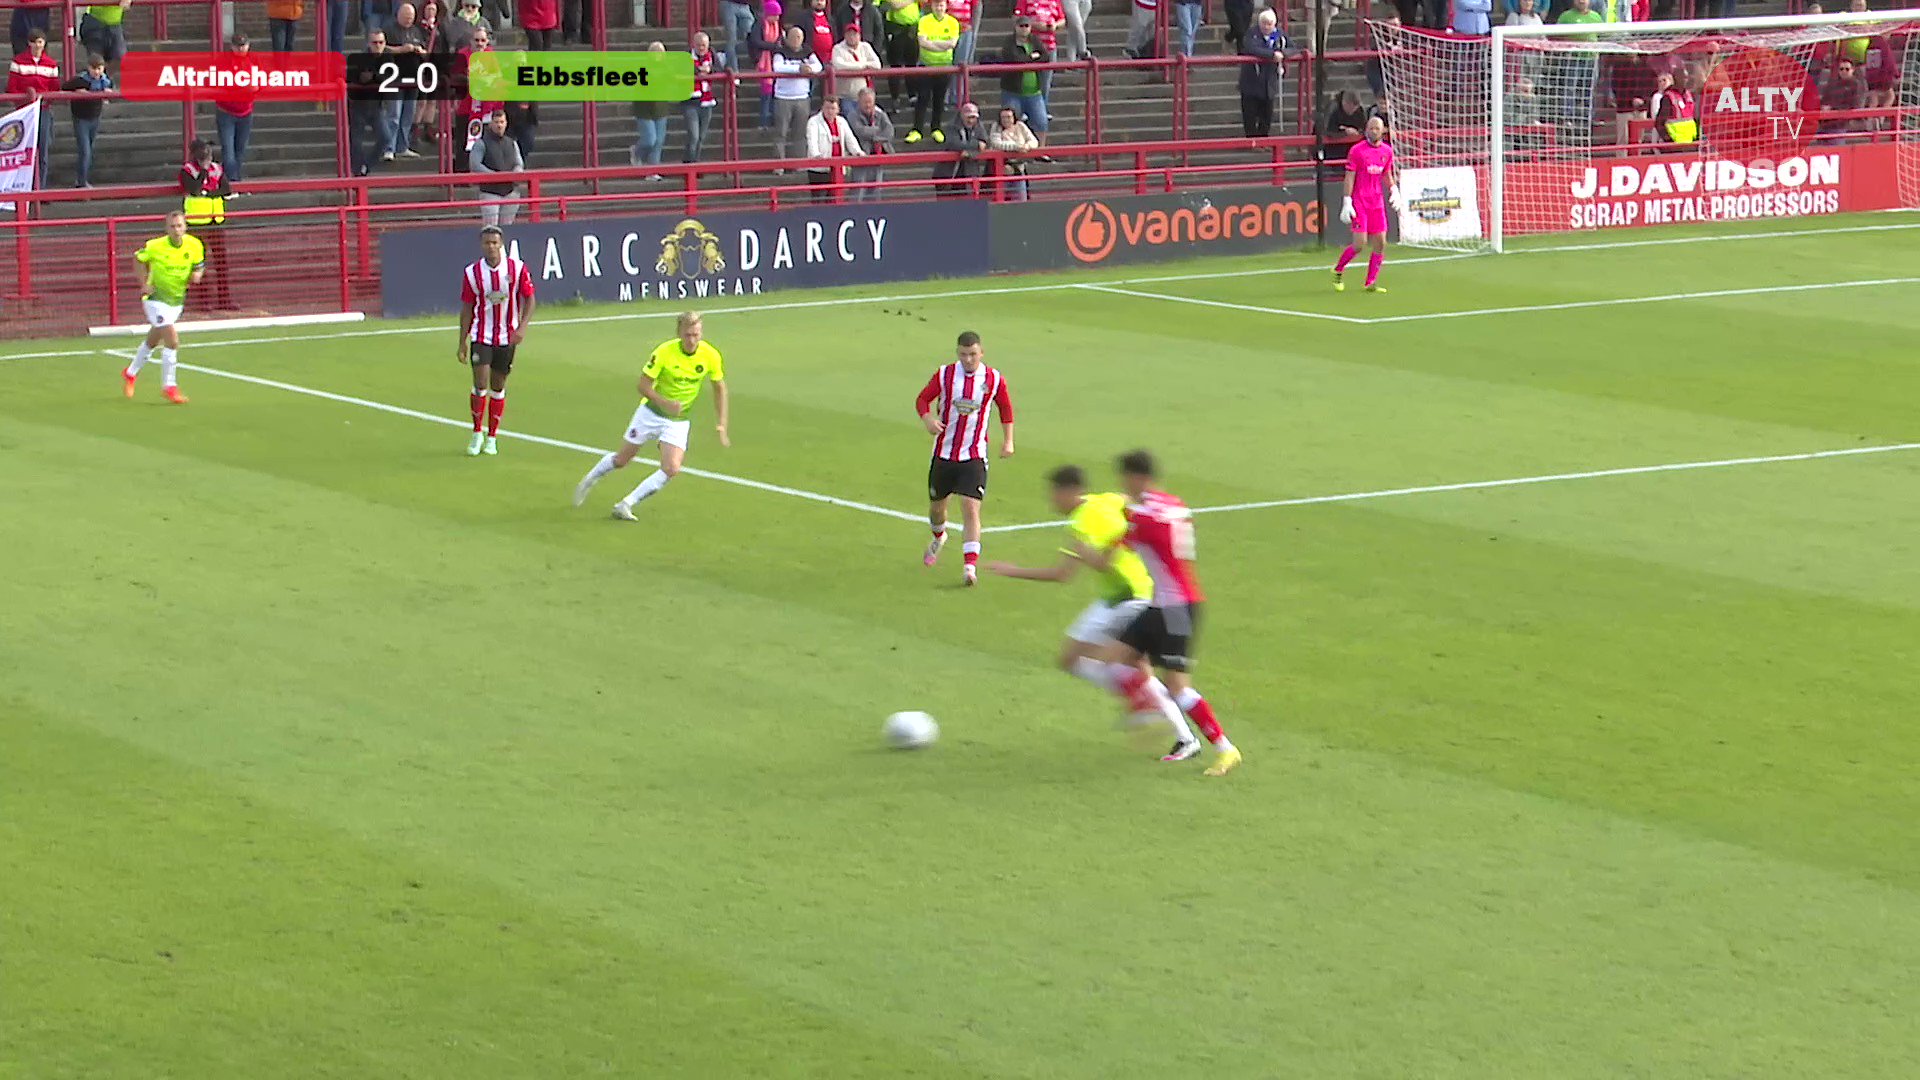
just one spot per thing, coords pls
(19, 146)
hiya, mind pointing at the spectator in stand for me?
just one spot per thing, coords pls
(576, 22)
(407, 37)
(234, 118)
(336, 28)
(1260, 80)
(852, 58)
(1842, 90)
(496, 155)
(523, 124)
(697, 110)
(792, 93)
(539, 19)
(35, 72)
(963, 50)
(1673, 111)
(366, 119)
(204, 190)
(1012, 137)
(903, 44)
(817, 23)
(1021, 90)
(1472, 18)
(829, 140)
(767, 39)
(1435, 15)
(1382, 109)
(1719, 9)
(1240, 20)
(1577, 69)
(1140, 26)
(1072, 18)
(736, 27)
(650, 126)
(283, 23)
(939, 33)
(25, 21)
(86, 115)
(462, 25)
(1189, 14)
(1877, 62)
(1376, 71)
(103, 30)
(864, 14)
(1523, 13)
(375, 15)
(1345, 121)
(433, 22)
(1048, 19)
(968, 140)
(873, 130)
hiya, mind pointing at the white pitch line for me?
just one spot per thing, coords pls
(542, 440)
(1763, 290)
(1223, 304)
(1518, 481)
(48, 355)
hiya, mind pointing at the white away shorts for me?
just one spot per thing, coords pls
(160, 314)
(1102, 622)
(648, 426)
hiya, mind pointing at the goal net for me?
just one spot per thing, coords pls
(1587, 126)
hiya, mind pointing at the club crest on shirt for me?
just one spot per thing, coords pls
(699, 369)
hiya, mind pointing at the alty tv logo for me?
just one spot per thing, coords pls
(1095, 230)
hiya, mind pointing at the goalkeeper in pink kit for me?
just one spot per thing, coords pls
(1370, 190)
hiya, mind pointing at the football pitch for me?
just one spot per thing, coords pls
(1566, 606)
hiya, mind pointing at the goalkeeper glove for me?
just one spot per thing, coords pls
(1393, 198)
(1346, 210)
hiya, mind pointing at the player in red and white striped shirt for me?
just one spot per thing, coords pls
(1160, 531)
(496, 302)
(953, 406)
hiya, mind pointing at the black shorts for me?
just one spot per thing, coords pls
(1165, 635)
(497, 357)
(968, 478)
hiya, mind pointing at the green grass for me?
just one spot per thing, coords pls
(330, 752)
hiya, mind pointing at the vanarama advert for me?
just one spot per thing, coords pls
(1147, 228)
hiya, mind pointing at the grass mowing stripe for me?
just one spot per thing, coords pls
(542, 440)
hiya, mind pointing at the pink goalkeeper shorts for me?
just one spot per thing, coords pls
(1371, 220)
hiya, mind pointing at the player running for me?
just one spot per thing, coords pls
(496, 302)
(669, 385)
(1160, 531)
(1096, 522)
(1370, 190)
(173, 262)
(953, 406)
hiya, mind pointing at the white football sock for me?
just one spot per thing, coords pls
(1095, 672)
(1190, 697)
(647, 489)
(1175, 717)
(602, 467)
(168, 358)
(971, 547)
(139, 358)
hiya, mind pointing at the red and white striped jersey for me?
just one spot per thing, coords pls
(962, 397)
(498, 295)
(1160, 531)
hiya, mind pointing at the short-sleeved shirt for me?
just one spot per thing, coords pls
(1369, 163)
(170, 268)
(908, 15)
(108, 14)
(1044, 13)
(677, 376)
(1572, 17)
(938, 28)
(1100, 521)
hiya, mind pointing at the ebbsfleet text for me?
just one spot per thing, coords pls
(537, 75)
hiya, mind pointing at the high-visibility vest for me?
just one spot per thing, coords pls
(204, 209)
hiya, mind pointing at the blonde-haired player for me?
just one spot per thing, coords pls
(669, 385)
(172, 263)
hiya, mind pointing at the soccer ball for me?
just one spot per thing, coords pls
(910, 730)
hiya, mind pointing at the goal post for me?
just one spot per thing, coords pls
(1592, 125)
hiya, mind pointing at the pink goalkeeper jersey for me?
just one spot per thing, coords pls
(1371, 163)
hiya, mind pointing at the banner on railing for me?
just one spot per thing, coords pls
(1440, 204)
(1066, 234)
(19, 146)
(708, 257)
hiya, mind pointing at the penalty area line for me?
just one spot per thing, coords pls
(540, 440)
(1519, 481)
